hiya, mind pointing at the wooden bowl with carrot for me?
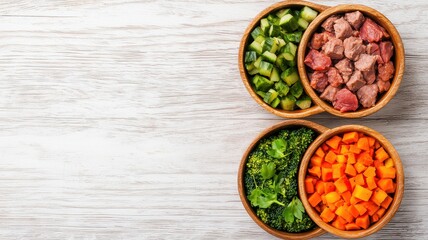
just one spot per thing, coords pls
(351, 181)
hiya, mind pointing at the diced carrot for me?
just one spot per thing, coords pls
(318, 208)
(381, 154)
(354, 200)
(386, 184)
(354, 149)
(389, 162)
(324, 147)
(319, 187)
(330, 157)
(352, 226)
(341, 158)
(371, 207)
(362, 193)
(372, 141)
(326, 174)
(309, 185)
(363, 144)
(315, 171)
(344, 149)
(341, 211)
(385, 172)
(378, 196)
(342, 184)
(339, 203)
(314, 199)
(332, 206)
(350, 170)
(363, 221)
(316, 161)
(337, 224)
(323, 199)
(353, 211)
(326, 165)
(353, 182)
(361, 209)
(334, 142)
(338, 170)
(347, 196)
(332, 197)
(371, 152)
(377, 145)
(359, 179)
(322, 206)
(329, 187)
(360, 167)
(327, 215)
(365, 159)
(393, 189)
(385, 204)
(377, 163)
(375, 218)
(380, 212)
(319, 152)
(351, 158)
(350, 137)
(371, 183)
(370, 172)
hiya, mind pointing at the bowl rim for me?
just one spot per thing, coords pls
(314, 109)
(391, 211)
(399, 55)
(320, 129)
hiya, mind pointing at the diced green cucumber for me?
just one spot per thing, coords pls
(288, 22)
(274, 76)
(281, 43)
(302, 23)
(297, 89)
(255, 46)
(287, 56)
(290, 76)
(270, 45)
(257, 62)
(261, 94)
(265, 68)
(273, 20)
(282, 88)
(274, 31)
(249, 66)
(262, 83)
(275, 103)
(294, 37)
(290, 48)
(268, 56)
(250, 56)
(264, 25)
(308, 14)
(270, 96)
(282, 12)
(257, 32)
(260, 39)
(304, 102)
(288, 103)
(281, 63)
(295, 13)
(254, 71)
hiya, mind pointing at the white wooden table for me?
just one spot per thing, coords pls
(127, 119)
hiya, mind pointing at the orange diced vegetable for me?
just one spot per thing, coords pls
(363, 221)
(316, 161)
(326, 165)
(375, 218)
(363, 144)
(350, 170)
(309, 185)
(347, 196)
(385, 172)
(329, 187)
(381, 154)
(371, 207)
(365, 159)
(351, 158)
(342, 184)
(361, 209)
(314, 199)
(320, 153)
(327, 215)
(378, 196)
(341, 158)
(392, 190)
(354, 200)
(386, 184)
(330, 157)
(380, 212)
(353, 211)
(377, 163)
(334, 142)
(360, 167)
(371, 183)
(362, 193)
(324, 147)
(389, 162)
(337, 224)
(319, 187)
(359, 179)
(339, 203)
(323, 199)
(354, 149)
(352, 226)
(370, 172)
(377, 145)
(326, 174)
(350, 137)
(318, 208)
(338, 170)
(353, 182)
(332, 197)
(344, 149)
(315, 171)
(385, 204)
(372, 141)
(332, 206)
(341, 211)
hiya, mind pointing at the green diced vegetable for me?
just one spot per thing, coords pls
(270, 96)
(265, 68)
(264, 25)
(283, 12)
(270, 45)
(261, 94)
(302, 23)
(287, 56)
(250, 56)
(281, 42)
(282, 88)
(290, 48)
(255, 46)
(273, 20)
(288, 103)
(294, 37)
(281, 63)
(290, 76)
(254, 71)
(274, 31)
(257, 32)
(260, 39)
(304, 102)
(262, 83)
(257, 62)
(308, 14)
(297, 89)
(274, 76)
(268, 56)
(288, 22)
(249, 66)
(275, 103)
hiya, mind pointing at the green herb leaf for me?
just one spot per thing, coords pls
(299, 205)
(254, 197)
(278, 148)
(267, 199)
(288, 214)
(275, 154)
(268, 170)
(297, 213)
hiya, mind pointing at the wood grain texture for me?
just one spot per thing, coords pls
(127, 119)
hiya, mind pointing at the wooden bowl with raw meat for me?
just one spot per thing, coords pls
(351, 60)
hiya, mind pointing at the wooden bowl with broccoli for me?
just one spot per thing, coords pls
(268, 182)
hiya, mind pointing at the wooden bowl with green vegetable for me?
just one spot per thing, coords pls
(352, 181)
(268, 183)
(267, 58)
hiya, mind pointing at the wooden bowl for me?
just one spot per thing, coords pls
(267, 132)
(246, 77)
(398, 58)
(399, 180)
